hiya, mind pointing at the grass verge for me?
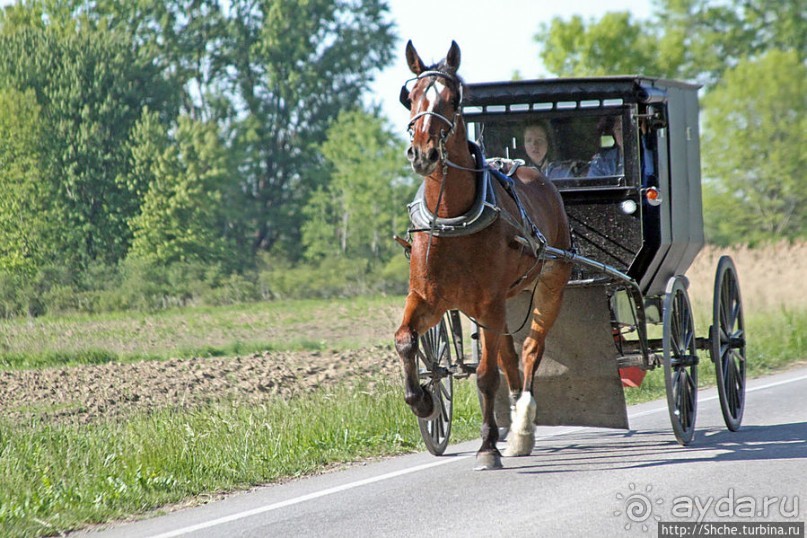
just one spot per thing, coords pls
(57, 477)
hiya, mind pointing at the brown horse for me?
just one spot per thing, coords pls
(477, 273)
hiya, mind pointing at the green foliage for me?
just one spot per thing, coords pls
(177, 132)
(755, 132)
(90, 88)
(330, 278)
(180, 219)
(140, 285)
(685, 39)
(359, 210)
(24, 202)
(297, 63)
(710, 36)
(615, 44)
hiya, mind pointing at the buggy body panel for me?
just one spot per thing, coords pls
(651, 244)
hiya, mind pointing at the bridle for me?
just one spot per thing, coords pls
(457, 102)
(406, 101)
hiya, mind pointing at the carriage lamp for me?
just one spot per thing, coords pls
(653, 196)
(628, 207)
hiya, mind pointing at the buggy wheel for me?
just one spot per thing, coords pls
(680, 360)
(434, 358)
(727, 339)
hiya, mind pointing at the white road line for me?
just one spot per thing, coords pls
(402, 472)
(330, 491)
(309, 497)
(715, 397)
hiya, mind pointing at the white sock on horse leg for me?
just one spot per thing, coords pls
(522, 430)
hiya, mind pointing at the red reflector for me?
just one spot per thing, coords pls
(653, 196)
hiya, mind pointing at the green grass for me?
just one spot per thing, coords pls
(775, 339)
(58, 477)
(198, 332)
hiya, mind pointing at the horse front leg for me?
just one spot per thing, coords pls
(418, 317)
(487, 380)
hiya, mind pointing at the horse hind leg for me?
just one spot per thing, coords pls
(548, 299)
(521, 439)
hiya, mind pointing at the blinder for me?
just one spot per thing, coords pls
(404, 97)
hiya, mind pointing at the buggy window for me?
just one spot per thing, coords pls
(574, 151)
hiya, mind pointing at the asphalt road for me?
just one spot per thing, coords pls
(577, 482)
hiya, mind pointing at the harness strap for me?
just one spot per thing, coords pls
(482, 213)
(531, 236)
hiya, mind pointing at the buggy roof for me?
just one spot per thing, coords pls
(629, 88)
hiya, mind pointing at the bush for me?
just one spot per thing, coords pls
(395, 276)
(331, 278)
(10, 300)
(232, 289)
(142, 286)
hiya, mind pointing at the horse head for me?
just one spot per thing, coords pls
(434, 101)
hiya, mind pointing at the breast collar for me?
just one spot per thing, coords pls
(482, 213)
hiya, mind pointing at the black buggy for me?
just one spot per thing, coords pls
(625, 155)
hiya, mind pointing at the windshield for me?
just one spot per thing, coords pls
(582, 147)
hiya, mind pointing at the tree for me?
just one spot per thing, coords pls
(684, 39)
(295, 65)
(273, 74)
(711, 36)
(356, 214)
(755, 132)
(90, 88)
(180, 218)
(184, 38)
(24, 210)
(615, 44)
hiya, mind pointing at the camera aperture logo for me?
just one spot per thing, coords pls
(639, 507)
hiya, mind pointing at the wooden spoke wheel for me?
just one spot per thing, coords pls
(434, 360)
(727, 339)
(680, 360)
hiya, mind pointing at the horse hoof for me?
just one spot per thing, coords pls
(425, 408)
(488, 461)
(520, 445)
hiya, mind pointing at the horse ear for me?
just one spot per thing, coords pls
(453, 56)
(413, 60)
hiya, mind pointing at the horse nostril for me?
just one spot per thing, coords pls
(433, 155)
(410, 153)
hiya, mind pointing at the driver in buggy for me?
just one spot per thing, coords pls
(609, 160)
